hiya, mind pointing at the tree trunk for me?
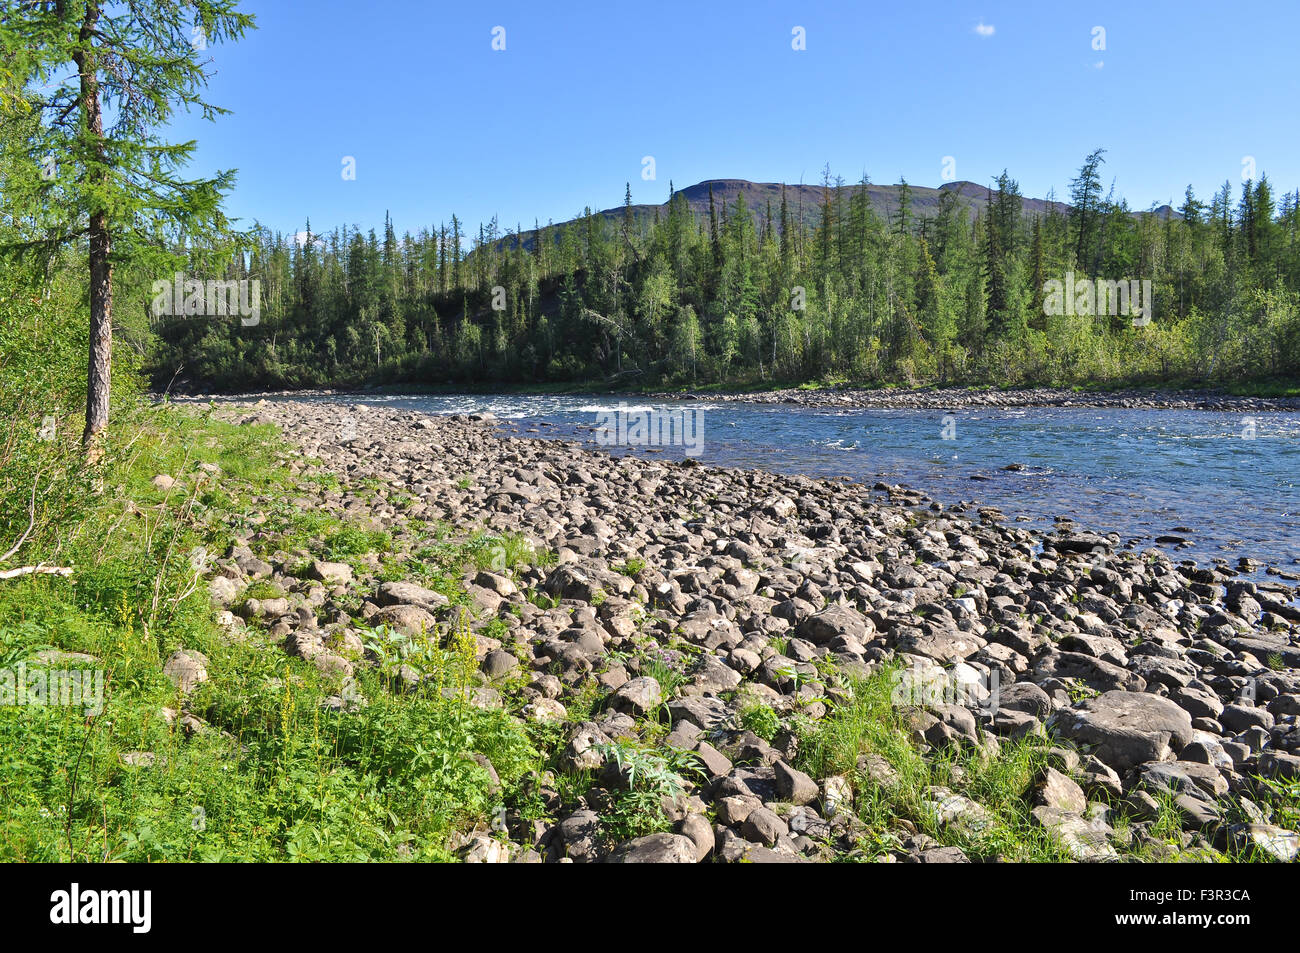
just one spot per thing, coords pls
(101, 242)
(101, 328)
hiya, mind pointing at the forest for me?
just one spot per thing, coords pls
(740, 296)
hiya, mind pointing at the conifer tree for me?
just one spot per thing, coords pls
(115, 179)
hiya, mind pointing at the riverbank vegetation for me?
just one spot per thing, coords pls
(755, 297)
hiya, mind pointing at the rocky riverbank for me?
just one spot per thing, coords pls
(960, 398)
(923, 398)
(770, 668)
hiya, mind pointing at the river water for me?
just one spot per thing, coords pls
(1224, 482)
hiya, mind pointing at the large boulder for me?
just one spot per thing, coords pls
(1094, 672)
(1085, 840)
(410, 594)
(835, 622)
(186, 669)
(410, 620)
(656, 849)
(1126, 729)
(638, 695)
(333, 574)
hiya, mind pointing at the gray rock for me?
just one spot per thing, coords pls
(695, 827)
(835, 622)
(497, 664)
(1126, 729)
(186, 669)
(793, 785)
(334, 574)
(1274, 843)
(1085, 840)
(638, 695)
(410, 594)
(656, 849)
(410, 620)
(764, 827)
(1054, 789)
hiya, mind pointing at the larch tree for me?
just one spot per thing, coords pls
(103, 80)
(1085, 211)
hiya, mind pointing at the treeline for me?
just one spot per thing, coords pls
(737, 295)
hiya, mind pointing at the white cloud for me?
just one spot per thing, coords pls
(984, 29)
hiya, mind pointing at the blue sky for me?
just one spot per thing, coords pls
(439, 122)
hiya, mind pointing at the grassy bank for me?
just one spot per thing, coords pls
(258, 771)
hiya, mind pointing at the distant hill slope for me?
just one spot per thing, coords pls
(805, 201)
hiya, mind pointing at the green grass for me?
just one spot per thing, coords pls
(273, 775)
(871, 723)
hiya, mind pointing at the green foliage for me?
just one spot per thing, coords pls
(631, 567)
(870, 723)
(761, 720)
(349, 541)
(648, 780)
(272, 772)
(954, 296)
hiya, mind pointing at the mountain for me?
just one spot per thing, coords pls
(805, 202)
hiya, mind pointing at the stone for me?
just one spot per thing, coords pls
(1275, 764)
(764, 827)
(410, 594)
(331, 665)
(1240, 718)
(1084, 840)
(942, 855)
(877, 769)
(793, 785)
(1054, 789)
(222, 591)
(733, 809)
(695, 827)
(582, 753)
(483, 849)
(498, 664)
(1274, 843)
(656, 849)
(186, 669)
(716, 764)
(731, 849)
(836, 795)
(1125, 729)
(412, 621)
(1183, 777)
(638, 695)
(834, 622)
(1094, 672)
(957, 810)
(713, 676)
(332, 574)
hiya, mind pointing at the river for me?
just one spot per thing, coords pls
(1225, 483)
